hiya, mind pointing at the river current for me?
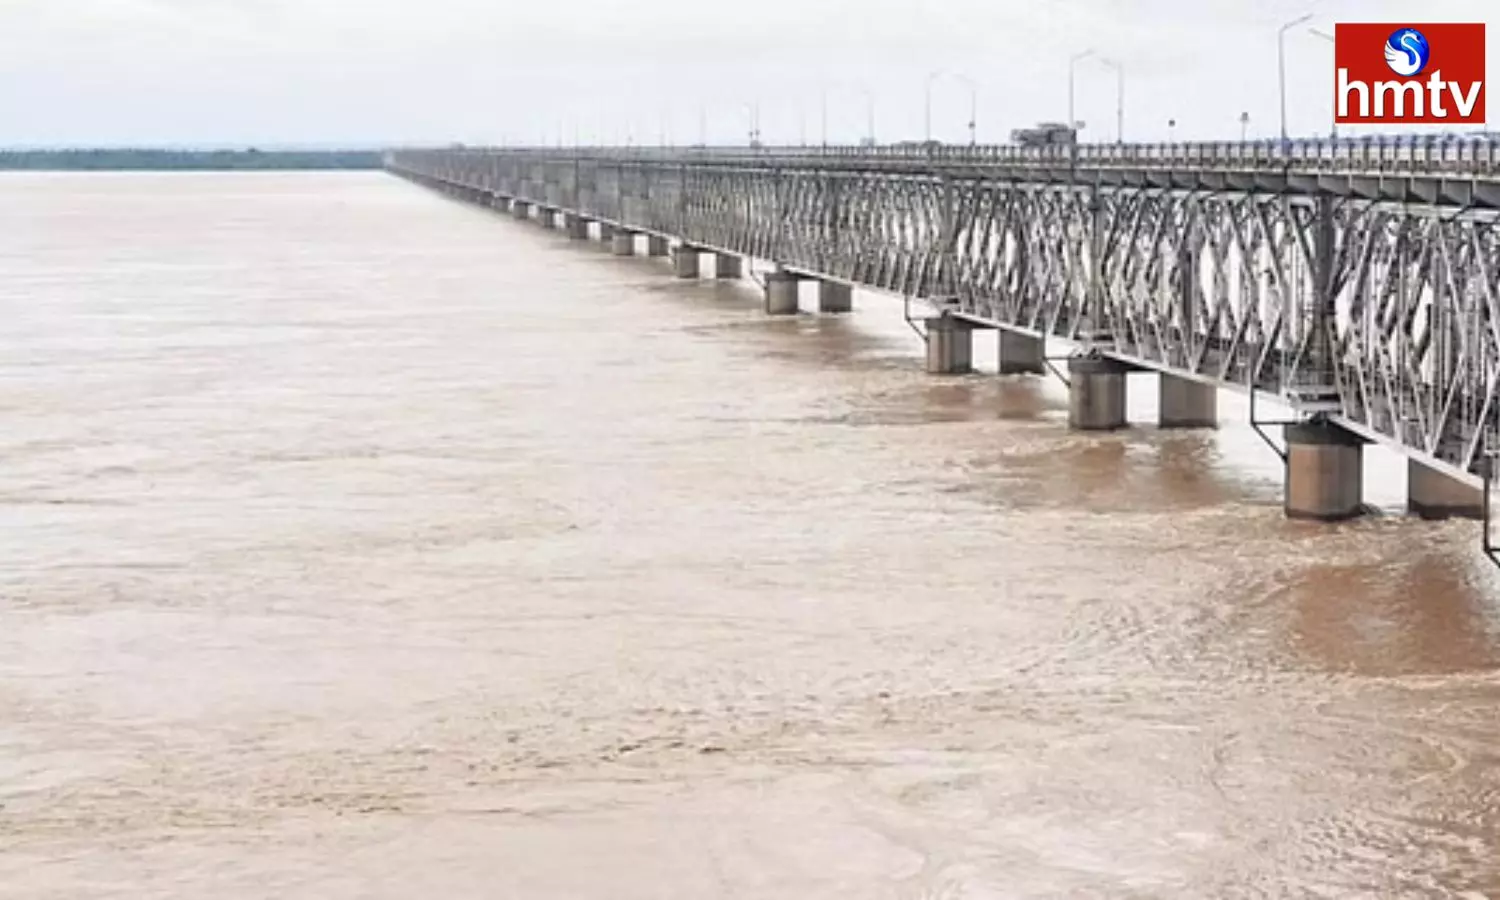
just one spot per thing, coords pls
(356, 543)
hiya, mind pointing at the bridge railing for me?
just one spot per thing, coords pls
(1428, 154)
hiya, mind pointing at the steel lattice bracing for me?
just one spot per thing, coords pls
(1367, 286)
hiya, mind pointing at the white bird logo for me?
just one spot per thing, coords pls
(1406, 52)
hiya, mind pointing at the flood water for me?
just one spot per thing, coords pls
(355, 543)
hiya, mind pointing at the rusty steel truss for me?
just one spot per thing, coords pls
(1365, 292)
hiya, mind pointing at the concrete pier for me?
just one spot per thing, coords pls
(1096, 393)
(834, 297)
(1187, 404)
(606, 232)
(521, 209)
(549, 217)
(577, 227)
(727, 265)
(781, 294)
(622, 243)
(950, 346)
(656, 245)
(685, 261)
(1022, 354)
(1432, 495)
(1324, 472)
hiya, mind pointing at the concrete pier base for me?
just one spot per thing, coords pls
(1324, 472)
(577, 228)
(1022, 354)
(950, 346)
(521, 209)
(606, 232)
(1432, 495)
(622, 243)
(1187, 404)
(685, 261)
(781, 294)
(656, 246)
(834, 297)
(1096, 393)
(727, 265)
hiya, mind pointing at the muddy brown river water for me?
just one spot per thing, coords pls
(355, 543)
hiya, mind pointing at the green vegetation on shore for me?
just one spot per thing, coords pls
(132, 159)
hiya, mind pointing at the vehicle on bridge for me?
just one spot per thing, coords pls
(1045, 134)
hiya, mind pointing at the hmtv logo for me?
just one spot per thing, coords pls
(1409, 74)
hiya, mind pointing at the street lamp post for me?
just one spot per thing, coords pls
(1073, 62)
(1244, 126)
(1281, 65)
(825, 117)
(1333, 126)
(1119, 68)
(869, 115)
(754, 110)
(973, 107)
(927, 108)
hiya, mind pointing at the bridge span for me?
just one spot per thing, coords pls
(1356, 281)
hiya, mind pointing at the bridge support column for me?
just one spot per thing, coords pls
(950, 346)
(834, 297)
(622, 243)
(1022, 354)
(685, 261)
(781, 294)
(1432, 495)
(656, 245)
(549, 218)
(727, 265)
(1096, 393)
(577, 227)
(1324, 472)
(521, 209)
(606, 232)
(1187, 404)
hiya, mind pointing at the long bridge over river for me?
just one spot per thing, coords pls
(1357, 281)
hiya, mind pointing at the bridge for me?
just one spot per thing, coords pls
(1357, 281)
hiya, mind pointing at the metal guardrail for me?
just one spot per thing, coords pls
(1400, 154)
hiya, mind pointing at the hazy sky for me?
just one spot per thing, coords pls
(382, 71)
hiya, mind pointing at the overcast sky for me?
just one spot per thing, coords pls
(276, 72)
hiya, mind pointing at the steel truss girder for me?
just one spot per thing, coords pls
(1393, 305)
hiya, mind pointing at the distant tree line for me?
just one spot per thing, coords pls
(187, 160)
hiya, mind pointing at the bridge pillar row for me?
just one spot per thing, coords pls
(727, 265)
(656, 245)
(622, 243)
(1022, 354)
(1432, 495)
(685, 261)
(1187, 404)
(1324, 472)
(950, 346)
(1096, 393)
(577, 227)
(782, 289)
(834, 297)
